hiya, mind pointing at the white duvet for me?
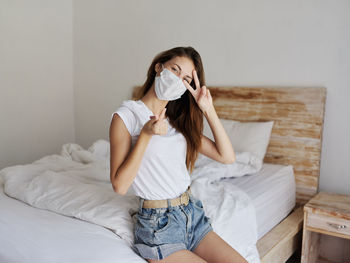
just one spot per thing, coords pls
(76, 183)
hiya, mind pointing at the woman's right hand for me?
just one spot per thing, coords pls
(156, 125)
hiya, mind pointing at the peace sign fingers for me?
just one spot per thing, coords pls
(162, 114)
(196, 80)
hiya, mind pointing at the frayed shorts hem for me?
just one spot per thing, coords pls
(158, 252)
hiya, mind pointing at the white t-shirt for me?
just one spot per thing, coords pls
(163, 173)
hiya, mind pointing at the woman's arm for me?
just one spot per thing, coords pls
(221, 150)
(124, 161)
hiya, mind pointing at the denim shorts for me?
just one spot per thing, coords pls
(160, 232)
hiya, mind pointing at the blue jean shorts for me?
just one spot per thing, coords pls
(160, 232)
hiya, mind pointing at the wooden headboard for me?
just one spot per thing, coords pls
(296, 137)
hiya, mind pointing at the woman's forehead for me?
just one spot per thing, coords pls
(185, 64)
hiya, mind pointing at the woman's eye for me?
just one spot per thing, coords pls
(174, 69)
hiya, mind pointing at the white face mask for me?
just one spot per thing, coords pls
(168, 86)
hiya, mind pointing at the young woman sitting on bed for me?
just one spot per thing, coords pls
(153, 148)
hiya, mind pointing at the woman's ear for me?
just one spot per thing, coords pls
(158, 67)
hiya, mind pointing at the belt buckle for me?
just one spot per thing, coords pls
(186, 195)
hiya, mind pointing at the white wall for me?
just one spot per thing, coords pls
(108, 46)
(242, 42)
(36, 85)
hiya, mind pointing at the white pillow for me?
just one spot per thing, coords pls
(250, 137)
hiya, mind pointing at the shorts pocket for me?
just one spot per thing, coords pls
(198, 203)
(163, 223)
(144, 229)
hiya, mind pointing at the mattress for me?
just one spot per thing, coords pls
(272, 191)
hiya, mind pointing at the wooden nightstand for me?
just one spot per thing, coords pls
(324, 214)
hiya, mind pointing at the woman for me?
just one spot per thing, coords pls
(155, 141)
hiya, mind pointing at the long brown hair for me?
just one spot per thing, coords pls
(184, 114)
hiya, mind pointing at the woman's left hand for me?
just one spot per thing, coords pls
(201, 94)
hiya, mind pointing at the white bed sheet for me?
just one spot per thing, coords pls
(41, 226)
(25, 230)
(273, 192)
(67, 239)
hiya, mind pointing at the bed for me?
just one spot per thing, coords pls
(29, 234)
(296, 139)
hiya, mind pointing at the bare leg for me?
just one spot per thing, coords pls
(214, 249)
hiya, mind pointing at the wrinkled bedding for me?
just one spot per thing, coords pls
(76, 183)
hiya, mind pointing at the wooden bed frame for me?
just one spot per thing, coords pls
(296, 139)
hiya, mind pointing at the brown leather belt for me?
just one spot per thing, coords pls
(181, 200)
